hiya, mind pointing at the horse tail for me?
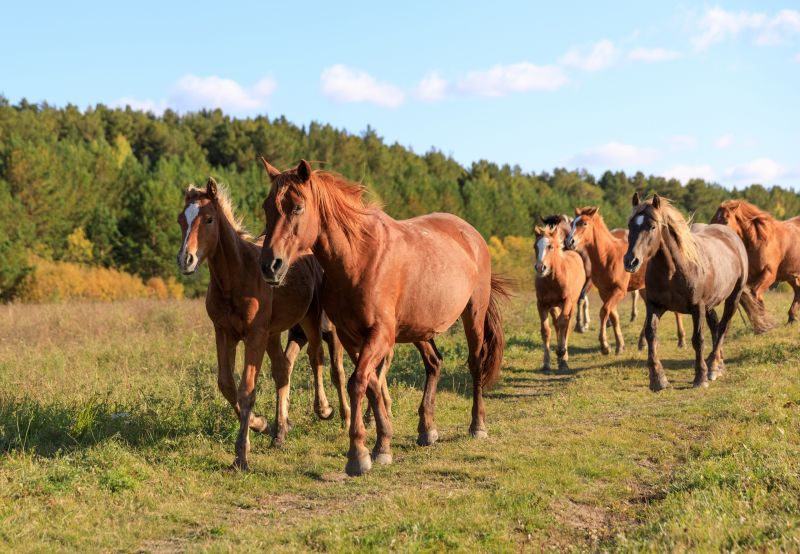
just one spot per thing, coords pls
(756, 312)
(494, 341)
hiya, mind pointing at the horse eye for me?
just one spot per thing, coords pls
(209, 220)
(297, 210)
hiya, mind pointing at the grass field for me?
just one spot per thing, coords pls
(114, 437)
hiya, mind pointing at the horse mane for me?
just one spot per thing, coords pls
(340, 201)
(671, 218)
(225, 205)
(756, 223)
(554, 220)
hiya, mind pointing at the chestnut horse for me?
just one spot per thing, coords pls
(582, 313)
(605, 249)
(688, 270)
(387, 282)
(773, 247)
(560, 280)
(243, 307)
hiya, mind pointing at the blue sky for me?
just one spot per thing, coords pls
(679, 89)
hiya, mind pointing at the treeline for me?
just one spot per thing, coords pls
(104, 186)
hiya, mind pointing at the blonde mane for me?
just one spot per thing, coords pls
(340, 202)
(224, 204)
(670, 217)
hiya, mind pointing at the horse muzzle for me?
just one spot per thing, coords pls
(631, 263)
(274, 271)
(187, 263)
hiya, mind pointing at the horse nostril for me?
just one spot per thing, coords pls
(264, 268)
(189, 259)
(276, 264)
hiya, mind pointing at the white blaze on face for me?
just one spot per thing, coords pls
(638, 220)
(571, 235)
(541, 248)
(190, 214)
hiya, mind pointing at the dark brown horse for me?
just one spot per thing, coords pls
(606, 249)
(243, 307)
(560, 279)
(688, 271)
(387, 282)
(773, 247)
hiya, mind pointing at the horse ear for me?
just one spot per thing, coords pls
(271, 171)
(591, 211)
(577, 211)
(538, 230)
(656, 202)
(304, 170)
(565, 219)
(543, 220)
(211, 188)
(635, 200)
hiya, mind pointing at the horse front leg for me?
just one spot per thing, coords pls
(375, 348)
(717, 365)
(795, 284)
(544, 330)
(634, 305)
(700, 368)
(254, 346)
(618, 336)
(605, 310)
(562, 333)
(658, 381)
(281, 375)
(714, 360)
(336, 353)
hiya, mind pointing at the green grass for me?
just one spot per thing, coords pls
(114, 437)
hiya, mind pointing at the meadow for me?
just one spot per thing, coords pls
(113, 437)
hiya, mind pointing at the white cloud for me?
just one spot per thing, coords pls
(725, 141)
(601, 55)
(653, 55)
(505, 79)
(345, 84)
(762, 170)
(718, 24)
(432, 88)
(614, 155)
(685, 173)
(682, 142)
(192, 93)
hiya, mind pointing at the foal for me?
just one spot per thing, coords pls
(605, 251)
(244, 308)
(560, 280)
(773, 247)
(688, 271)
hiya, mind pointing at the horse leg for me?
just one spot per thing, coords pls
(544, 330)
(254, 346)
(384, 373)
(281, 375)
(634, 304)
(713, 361)
(433, 366)
(579, 315)
(374, 349)
(586, 319)
(473, 318)
(316, 357)
(562, 334)
(717, 367)
(681, 332)
(618, 337)
(226, 361)
(700, 368)
(604, 312)
(795, 283)
(336, 353)
(382, 453)
(658, 381)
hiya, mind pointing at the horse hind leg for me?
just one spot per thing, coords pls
(473, 320)
(618, 336)
(336, 354)
(432, 360)
(700, 367)
(316, 358)
(714, 360)
(634, 304)
(795, 284)
(681, 331)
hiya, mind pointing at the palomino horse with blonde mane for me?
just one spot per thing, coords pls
(773, 247)
(387, 282)
(560, 280)
(689, 270)
(605, 249)
(245, 308)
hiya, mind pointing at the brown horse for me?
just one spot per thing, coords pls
(243, 307)
(688, 271)
(560, 280)
(387, 282)
(589, 231)
(773, 247)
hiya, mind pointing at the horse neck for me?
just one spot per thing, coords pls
(671, 253)
(226, 262)
(604, 247)
(558, 268)
(339, 256)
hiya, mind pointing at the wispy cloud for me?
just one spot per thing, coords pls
(762, 171)
(432, 88)
(501, 80)
(718, 24)
(600, 55)
(653, 55)
(685, 173)
(724, 141)
(345, 84)
(191, 93)
(614, 155)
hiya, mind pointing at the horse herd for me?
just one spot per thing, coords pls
(333, 269)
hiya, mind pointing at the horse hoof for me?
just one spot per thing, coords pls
(358, 466)
(681, 344)
(427, 438)
(326, 413)
(382, 458)
(702, 384)
(261, 427)
(605, 350)
(478, 433)
(240, 465)
(545, 368)
(563, 366)
(714, 374)
(658, 386)
(619, 350)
